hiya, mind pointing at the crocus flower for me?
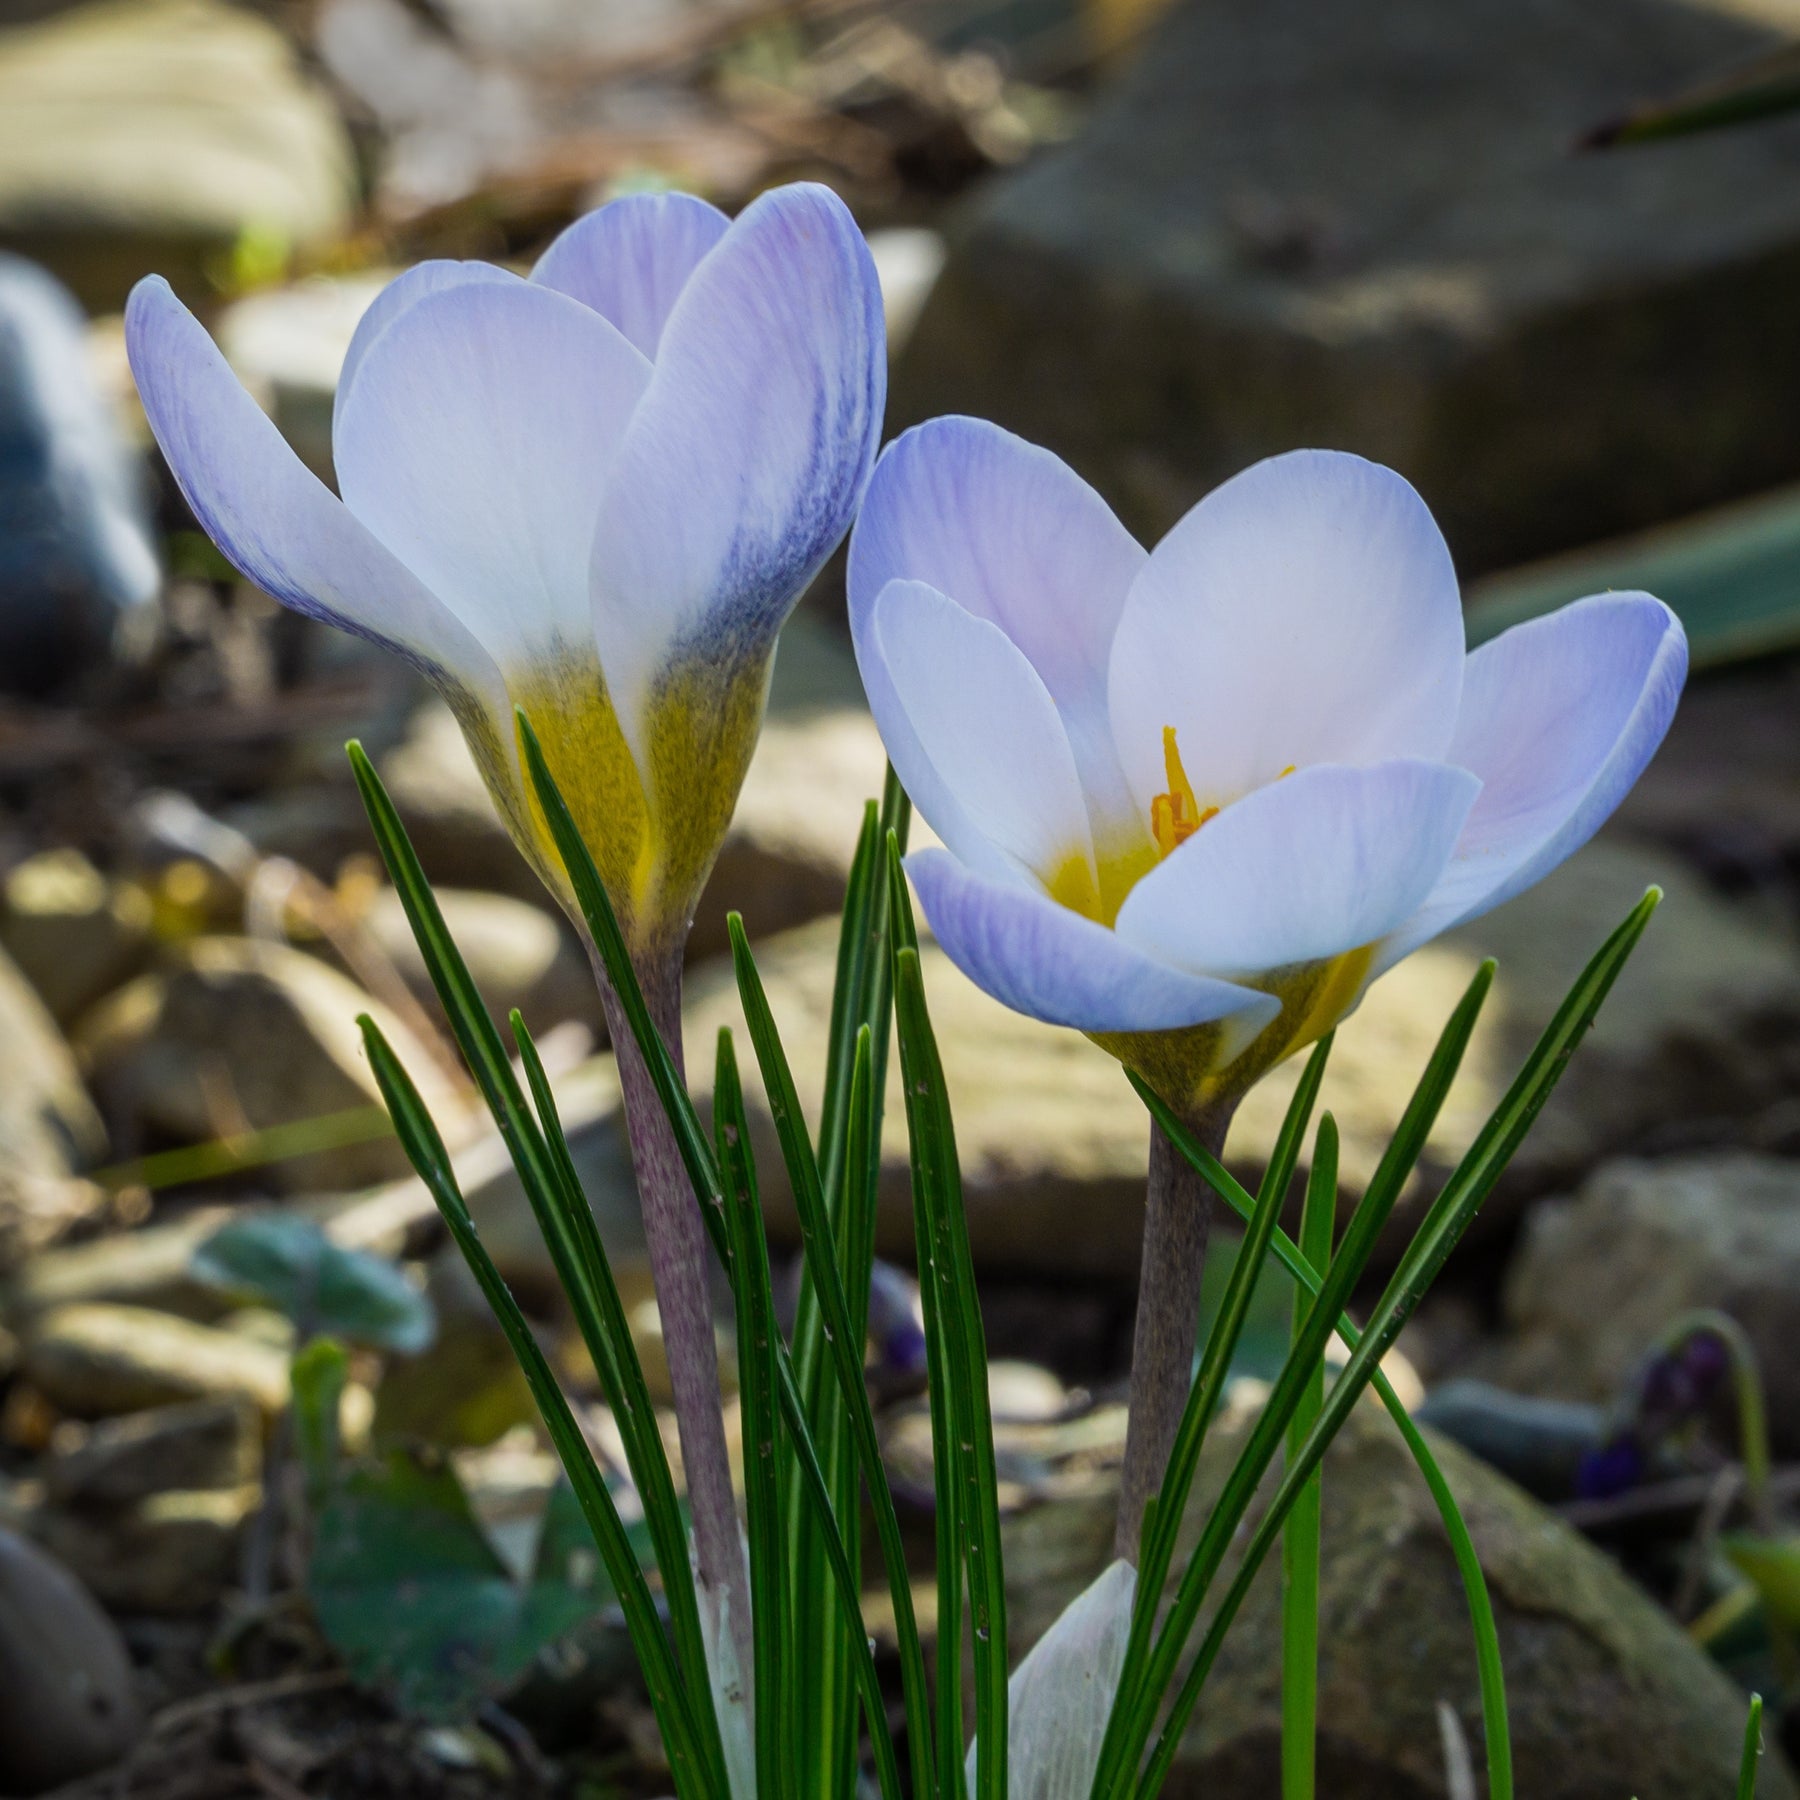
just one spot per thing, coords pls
(1194, 801)
(594, 493)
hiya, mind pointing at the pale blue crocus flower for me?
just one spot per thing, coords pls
(594, 493)
(1193, 801)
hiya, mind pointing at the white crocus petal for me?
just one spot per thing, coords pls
(476, 445)
(990, 731)
(1013, 535)
(1324, 862)
(1061, 1695)
(280, 526)
(1559, 717)
(399, 294)
(744, 463)
(630, 260)
(1051, 964)
(1304, 612)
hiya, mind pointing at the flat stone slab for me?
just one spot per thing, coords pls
(1366, 228)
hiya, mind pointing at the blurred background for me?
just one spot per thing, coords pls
(1541, 256)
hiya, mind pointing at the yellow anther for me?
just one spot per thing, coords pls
(1176, 815)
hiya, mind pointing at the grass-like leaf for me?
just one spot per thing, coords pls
(945, 1262)
(697, 1769)
(758, 1384)
(842, 1337)
(1437, 1236)
(1746, 1787)
(1300, 1541)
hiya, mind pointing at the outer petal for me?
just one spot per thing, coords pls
(276, 521)
(1324, 862)
(1051, 964)
(1061, 1696)
(400, 293)
(743, 466)
(1014, 535)
(983, 721)
(1305, 612)
(476, 444)
(630, 260)
(1559, 717)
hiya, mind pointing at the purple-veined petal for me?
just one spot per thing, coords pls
(743, 465)
(1051, 964)
(403, 291)
(1559, 717)
(630, 260)
(1013, 535)
(1326, 861)
(476, 444)
(279, 525)
(1304, 612)
(979, 715)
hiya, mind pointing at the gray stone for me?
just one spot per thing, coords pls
(48, 1125)
(240, 1034)
(140, 135)
(520, 955)
(77, 565)
(97, 1360)
(68, 1706)
(147, 1267)
(37, 1210)
(74, 934)
(1607, 1694)
(206, 1446)
(1300, 223)
(172, 1552)
(1599, 1277)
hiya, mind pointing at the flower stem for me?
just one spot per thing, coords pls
(676, 1237)
(1177, 1223)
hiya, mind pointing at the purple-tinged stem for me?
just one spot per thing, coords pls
(679, 1259)
(1177, 1224)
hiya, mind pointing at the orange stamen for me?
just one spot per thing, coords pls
(1176, 815)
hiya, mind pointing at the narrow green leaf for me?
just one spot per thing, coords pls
(758, 1382)
(840, 1336)
(1135, 1708)
(585, 1272)
(695, 1773)
(1431, 1246)
(1483, 1626)
(1746, 1787)
(945, 1260)
(1300, 1541)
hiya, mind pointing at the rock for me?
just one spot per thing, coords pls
(519, 954)
(77, 564)
(37, 1210)
(172, 1552)
(241, 1034)
(1607, 1694)
(287, 346)
(1724, 789)
(1600, 1276)
(167, 135)
(205, 1445)
(1536, 1442)
(74, 935)
(1305, 224)
(48, 1125)
(97, 1360)
(68, 1706)
(148, 1267)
